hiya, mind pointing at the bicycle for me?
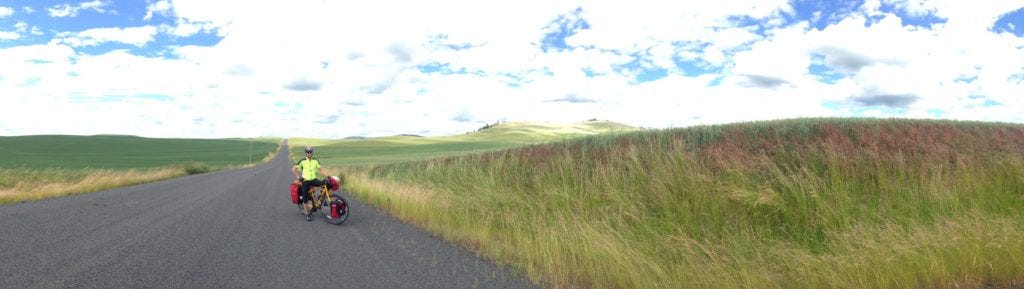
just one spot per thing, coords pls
(333, 207)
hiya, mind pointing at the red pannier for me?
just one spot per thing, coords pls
(295, 193)
(334, 183)
(338, 208)
(334, 209)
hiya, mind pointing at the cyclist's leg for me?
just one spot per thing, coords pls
(312, 185)
(304, 191)
(304, 196)
(316, 182)
(304, 200)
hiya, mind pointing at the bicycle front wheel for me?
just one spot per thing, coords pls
(336, 210)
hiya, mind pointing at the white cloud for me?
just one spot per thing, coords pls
(871, 7)
(68, 10)
(185, 29)
(18, 27)
(334, 69)
(64, 10)
(20, 67)
(161, 7)
(42, 53)
(617, 25)
(5, 12)
(779, 60)
(137, 36)
(7, 35)
(96, 5)
(28, 10)
(916, 8)
(730, 38)
(21, 26)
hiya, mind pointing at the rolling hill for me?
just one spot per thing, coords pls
(400, 148)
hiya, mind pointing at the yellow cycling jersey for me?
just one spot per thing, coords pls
(309, 167)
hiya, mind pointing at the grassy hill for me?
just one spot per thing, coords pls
(528, 132)
(808, 203)
(392, 149)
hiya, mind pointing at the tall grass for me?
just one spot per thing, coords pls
(823, 203)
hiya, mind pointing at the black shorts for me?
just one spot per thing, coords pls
(304, 190)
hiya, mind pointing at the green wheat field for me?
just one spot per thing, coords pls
(47, 166)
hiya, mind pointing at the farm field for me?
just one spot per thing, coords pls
(46, 166)
(123, 152)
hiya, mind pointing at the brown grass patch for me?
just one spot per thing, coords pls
(97, 180)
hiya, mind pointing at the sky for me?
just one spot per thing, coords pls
(333, 69)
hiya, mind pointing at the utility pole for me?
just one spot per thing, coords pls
(250, 150)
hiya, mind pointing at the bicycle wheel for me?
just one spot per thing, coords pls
(336, 211)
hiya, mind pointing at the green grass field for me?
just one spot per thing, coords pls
(122, 152)
(47, 166)
(807, 203)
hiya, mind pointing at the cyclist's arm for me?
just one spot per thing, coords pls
(295, 172)
(321, 169)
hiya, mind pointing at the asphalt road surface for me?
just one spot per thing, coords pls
(228, 229)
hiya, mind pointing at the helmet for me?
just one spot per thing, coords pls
(309, 149)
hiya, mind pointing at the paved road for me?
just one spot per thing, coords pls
(229, 229)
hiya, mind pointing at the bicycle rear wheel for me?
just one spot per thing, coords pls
(336, 211)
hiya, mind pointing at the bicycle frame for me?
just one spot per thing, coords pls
(317, 194)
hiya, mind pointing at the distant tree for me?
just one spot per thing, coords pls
(487, 126)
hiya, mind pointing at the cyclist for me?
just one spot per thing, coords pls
(305, 171)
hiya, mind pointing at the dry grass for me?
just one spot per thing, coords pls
(267, 158)
(20, 185)
(411, 203)
(57, 183)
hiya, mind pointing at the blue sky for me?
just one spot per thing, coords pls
(193, 68)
